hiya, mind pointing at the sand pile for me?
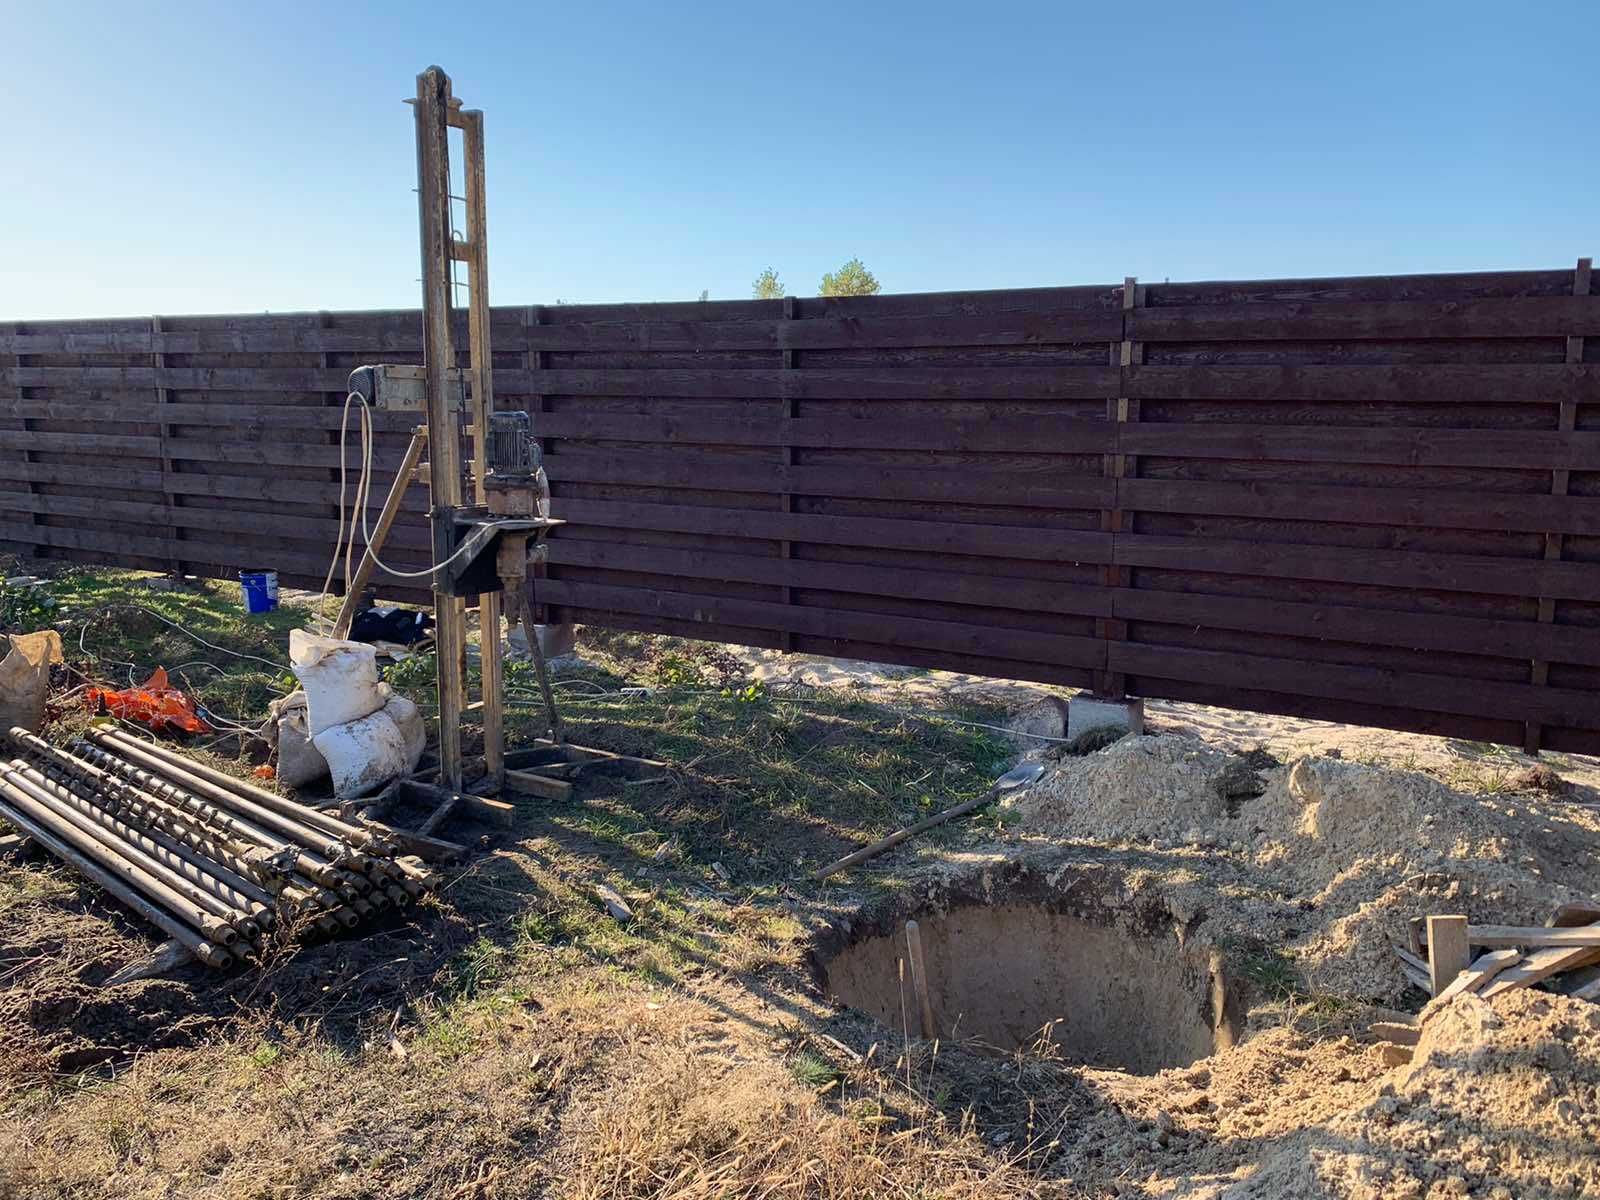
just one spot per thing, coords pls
(1498, 1102)
(1352, 851)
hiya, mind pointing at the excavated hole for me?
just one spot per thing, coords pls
(1087, 983)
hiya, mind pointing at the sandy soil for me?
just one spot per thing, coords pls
(1227, 729)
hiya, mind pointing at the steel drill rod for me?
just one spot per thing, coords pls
(206, 951)
(243, 831)
(306, 862)
(353, 834)
(212, 927)
(215, 858)
(70, 819)
(237, 893)
(312, 839)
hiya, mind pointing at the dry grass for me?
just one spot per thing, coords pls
(688, 1128)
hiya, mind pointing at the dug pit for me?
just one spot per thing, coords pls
(1049, 963)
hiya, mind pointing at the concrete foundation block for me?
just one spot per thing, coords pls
(1086, 712)
(554, 640)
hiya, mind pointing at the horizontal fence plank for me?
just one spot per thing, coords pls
(935, 536)
(1491, 383)
(928, 583)
(1364, 505)
(1017, 489)
(961, 638)
(824, 333)
(1406, 447)
(1441, 693)
(1528, 316)
(1007, 434)
(893, 383)
(1381, 568)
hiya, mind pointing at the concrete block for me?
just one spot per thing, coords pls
(1086, 712)
(554, 640)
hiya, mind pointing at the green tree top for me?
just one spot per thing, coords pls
(852, 279)
(768, 286)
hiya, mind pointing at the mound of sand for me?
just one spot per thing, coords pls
(1352, 851)
(1497, 1102)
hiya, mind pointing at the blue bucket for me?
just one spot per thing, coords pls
(260, 590)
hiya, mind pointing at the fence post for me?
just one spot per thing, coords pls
(37, 549)
(534, 359)
(1560, 480)
(788, 412)
(1120, 409)
(169, 498)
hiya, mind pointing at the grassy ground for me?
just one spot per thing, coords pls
(508, 1037)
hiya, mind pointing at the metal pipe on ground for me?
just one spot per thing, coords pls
(306, 862)
(236, 893)
(213, 928)
(206, 951)
(307, 896)
(314, 840)
(245, 867)
(355, 835)
(192, 806)
(176, 884)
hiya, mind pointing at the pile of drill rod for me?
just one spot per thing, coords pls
(216, 863)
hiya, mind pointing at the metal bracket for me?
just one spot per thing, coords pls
(392, 387)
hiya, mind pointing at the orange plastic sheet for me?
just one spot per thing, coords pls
(154, 702)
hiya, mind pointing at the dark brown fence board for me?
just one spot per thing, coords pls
(1360, 499)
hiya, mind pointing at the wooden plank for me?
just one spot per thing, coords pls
(1483, 574)
(673, 467)
(788, 411)
(1484, 968)
(481, 359)
(534, 784)
(1476, 383)
(1560, 479)
(1053, 648)
(937, 536)
(1449, 952)
(1404, 447)
(1370, 685)
(1120, 409)
(1355, 504)
(950, 587)
(1025, 435)
(357, 584)
(1020, 328)
(1367, 626)
(1532, 936)
(892, 383)
(1541, 964)
(240, 419)
(1521, 317)
(444, 454)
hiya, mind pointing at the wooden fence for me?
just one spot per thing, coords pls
(1373, 500)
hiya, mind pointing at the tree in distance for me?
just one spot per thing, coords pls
(852, 279)
(768, 286)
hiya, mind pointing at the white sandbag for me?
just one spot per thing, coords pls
(363, 755)
(299, 761)
(408, 717)
(340, 679)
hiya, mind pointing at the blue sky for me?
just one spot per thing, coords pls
(209, 158)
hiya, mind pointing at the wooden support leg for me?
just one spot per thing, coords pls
(357, 584)
(493, 688)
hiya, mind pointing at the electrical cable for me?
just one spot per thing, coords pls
(362, 498)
